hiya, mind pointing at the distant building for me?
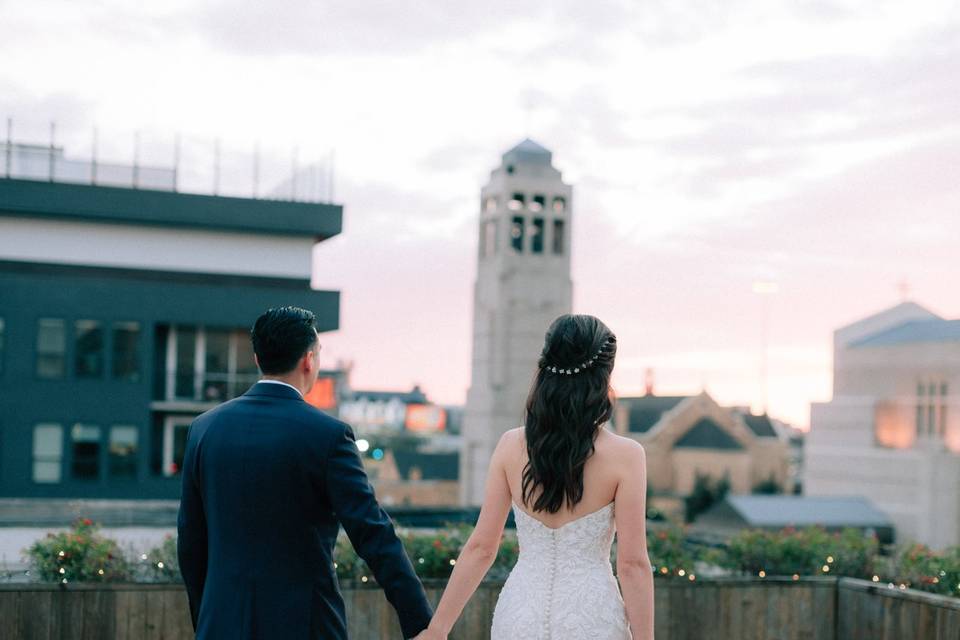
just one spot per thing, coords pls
(684, 436)
(892, 430)
(735, 513)
(417, 478)
(385, 413)
(523, 284)
(124, 313)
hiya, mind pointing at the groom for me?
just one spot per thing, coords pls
(267, 482)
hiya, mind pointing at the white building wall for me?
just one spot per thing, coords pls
(145, 247)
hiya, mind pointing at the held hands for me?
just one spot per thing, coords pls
(431, 634)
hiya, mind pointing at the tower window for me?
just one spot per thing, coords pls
(538, 203)
(516, 202)
(559, 204)
(516, 234)
(510, 169)
(536, 235)
(490, 205)
(558, 237)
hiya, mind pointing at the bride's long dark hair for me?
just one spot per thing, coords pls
(565, 410)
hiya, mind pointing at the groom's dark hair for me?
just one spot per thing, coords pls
(281, 336)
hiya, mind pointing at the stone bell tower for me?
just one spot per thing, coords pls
(523, 284)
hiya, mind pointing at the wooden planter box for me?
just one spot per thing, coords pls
(814, 608)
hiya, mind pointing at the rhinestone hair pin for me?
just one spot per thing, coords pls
(583, 366)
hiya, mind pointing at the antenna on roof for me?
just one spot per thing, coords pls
(904, 288)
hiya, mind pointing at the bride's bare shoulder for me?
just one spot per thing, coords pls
(622, 446)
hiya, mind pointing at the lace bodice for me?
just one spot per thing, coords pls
(562, 586)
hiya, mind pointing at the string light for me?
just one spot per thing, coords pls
(829, 558)
(61, 554)
(796, 576)
(762, 573)
(876, 578)
(62, 570)
(159, 565)
(692, 577)
(100, 571)
(826, 568)
(452, 562)
(363, 578)
(681, 573)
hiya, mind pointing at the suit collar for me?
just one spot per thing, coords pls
(274, 391)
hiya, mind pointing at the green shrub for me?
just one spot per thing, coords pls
(78, 555)
(918, 567)
(160, 563)
(805, 551)
(705, 494)
(669, 554)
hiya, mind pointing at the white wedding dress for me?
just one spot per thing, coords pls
(562, 587)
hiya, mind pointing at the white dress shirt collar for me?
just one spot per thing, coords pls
(283, 383)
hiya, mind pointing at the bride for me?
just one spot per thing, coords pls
(571, 484)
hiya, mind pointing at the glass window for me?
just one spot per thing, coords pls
(516, 202)
(123, 451)
(217, 365)
(51, 348)
(516, 234)
(559, 204)
(247, 371)
(536, 235)
(126, 351)
(47, 453)
(2, 331)
(557, 237)
(490, 205)
(86, 451)
(89, 349)
(186, 338)
(538, 203)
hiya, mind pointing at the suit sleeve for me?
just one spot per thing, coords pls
(192, 530)
(372, 534)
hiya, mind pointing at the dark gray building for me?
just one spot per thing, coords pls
(126, 312)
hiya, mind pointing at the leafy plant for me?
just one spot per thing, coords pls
(78, 555)
(160, 563)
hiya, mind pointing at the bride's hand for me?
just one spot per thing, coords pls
(431, 634)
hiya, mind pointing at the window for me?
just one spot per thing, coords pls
(538, 203)
(559, 204)
(516, 202)
(921, 404)
(536, 235)
(516, 234)
(47, 453)
(943, 409)
(126, 351)
(558, 237)
(217, 365)
(51, 348)
(185, 341)
(205, 364)
(2, 329)
(931, 407)
(175, 430)
(88, 351)
(490, 205)
(86, 451)
(123, 451)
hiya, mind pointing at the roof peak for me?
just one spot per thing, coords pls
(528, 151)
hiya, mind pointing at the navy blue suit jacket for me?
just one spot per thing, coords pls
(267, 482)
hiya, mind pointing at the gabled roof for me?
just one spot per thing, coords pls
(707, 434)
(882, 321)
(760, 425)
(530, 152)
(433, 466)
(645, 411)
(829, 511)
(914, 331)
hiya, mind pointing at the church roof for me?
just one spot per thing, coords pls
(707, 434)
(530, 152)
(936, 330)
(645, 411)
(433, 466)
(760, 425)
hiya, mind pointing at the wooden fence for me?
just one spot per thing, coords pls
(816, 608)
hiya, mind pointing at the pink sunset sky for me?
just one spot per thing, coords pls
(710, 144)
